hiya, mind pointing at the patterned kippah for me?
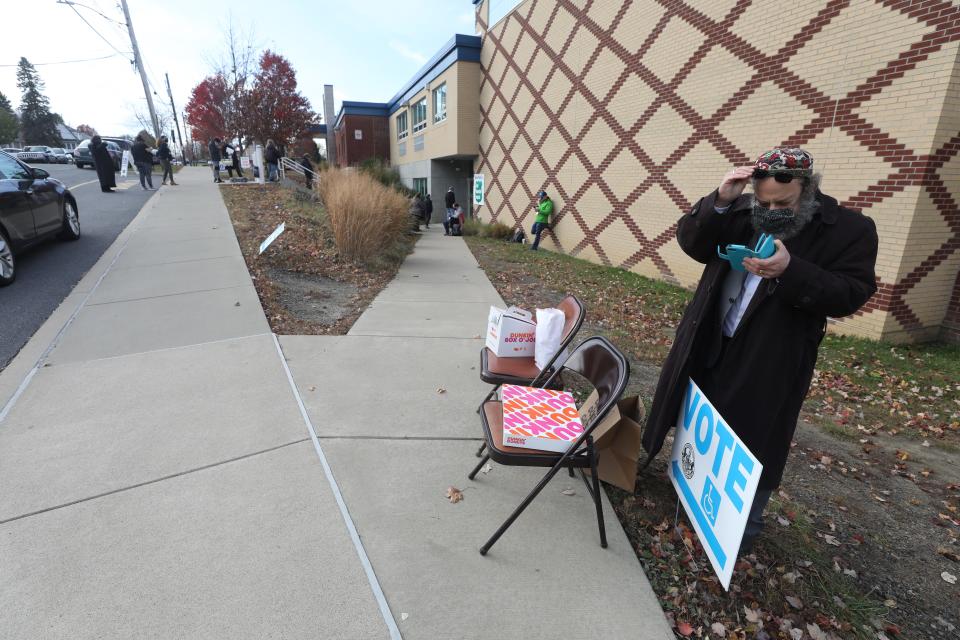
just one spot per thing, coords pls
(794, 161)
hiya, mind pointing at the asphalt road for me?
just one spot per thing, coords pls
(49, 272)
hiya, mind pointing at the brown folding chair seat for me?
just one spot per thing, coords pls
(607, 370)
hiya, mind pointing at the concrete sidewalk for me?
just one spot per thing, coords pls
(164, 477)
(395, 444)
(158, 479)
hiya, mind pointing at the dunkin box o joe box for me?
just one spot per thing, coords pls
(539, 418)
(511, 333)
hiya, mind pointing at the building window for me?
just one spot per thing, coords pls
(420, 186)
(420, 115)
(440, 103)
(402, 125)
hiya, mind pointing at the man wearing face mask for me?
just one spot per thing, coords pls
(749, 339)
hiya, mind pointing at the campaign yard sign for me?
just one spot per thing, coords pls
(715, 476)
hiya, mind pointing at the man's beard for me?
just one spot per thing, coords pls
(782, 223)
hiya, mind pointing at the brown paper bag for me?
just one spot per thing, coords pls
(617, 439)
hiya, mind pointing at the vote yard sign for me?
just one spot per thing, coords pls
(715, 476)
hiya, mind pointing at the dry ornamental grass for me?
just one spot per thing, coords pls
(366, 217)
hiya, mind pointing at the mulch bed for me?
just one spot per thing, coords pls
(304, 285)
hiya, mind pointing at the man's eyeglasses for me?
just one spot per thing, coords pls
(780, 176)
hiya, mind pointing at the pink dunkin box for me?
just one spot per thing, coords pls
(511, 333)
(539, 418)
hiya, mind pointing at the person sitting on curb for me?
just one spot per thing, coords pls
(453, 221)
(544, 209)
(750, 336)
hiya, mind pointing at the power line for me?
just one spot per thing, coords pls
(98, 12)
(45, 64)
(79, 15)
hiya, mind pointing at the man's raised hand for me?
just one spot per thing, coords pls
(732, 186)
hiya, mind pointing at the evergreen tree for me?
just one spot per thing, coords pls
(39, 126)
(9, 123)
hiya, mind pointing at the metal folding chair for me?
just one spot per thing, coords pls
(524, 371)
(604, 367)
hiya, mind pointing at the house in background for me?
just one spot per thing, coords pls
(70, 137)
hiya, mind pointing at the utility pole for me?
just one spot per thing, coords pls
(175, 120)
(138, 61)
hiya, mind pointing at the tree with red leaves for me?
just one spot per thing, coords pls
(87, 130)
(207, 108)
(274, 109)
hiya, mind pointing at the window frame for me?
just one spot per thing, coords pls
(419, 126)
(440, 116)
(401, 134)
(424, 183)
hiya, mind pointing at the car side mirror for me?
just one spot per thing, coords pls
(40, 174)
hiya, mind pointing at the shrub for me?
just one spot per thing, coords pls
(499, 231)
(381, 172)
(472, 227)
(367, 217)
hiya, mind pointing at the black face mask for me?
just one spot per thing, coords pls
(772, 221)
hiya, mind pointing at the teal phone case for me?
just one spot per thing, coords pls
(737, 252)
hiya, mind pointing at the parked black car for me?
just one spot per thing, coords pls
(82, 156)
(33, 208)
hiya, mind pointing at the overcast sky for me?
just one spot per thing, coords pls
(366, 49)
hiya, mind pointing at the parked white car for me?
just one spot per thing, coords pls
(36, 153)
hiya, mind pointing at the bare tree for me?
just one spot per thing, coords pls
(236, 62)
(164, 120)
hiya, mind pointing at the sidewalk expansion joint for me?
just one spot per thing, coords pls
(151, 265)
(154, 481)
(420, 438)
(169, 295)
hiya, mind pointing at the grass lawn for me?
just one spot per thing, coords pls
(872, 478)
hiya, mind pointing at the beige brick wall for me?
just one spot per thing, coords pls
(458, 133)
(629, 112)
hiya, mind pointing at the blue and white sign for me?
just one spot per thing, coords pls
(716, 477)
(273, 236)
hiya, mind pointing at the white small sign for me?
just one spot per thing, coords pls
(273, 236)
(715, 476)
(244, 162)
(125, 161)
(478, 189)
(358, 134)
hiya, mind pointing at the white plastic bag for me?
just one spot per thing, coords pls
(549, 335)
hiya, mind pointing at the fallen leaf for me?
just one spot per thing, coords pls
(783, 522)
(404, 616)
(949, 577)
(441, 390)
(454, 495)
(850, 572)
(753, 615)
(569, 492)
(948, 554)
(815, 632)
(476, 337)
(796, 634)
(791, 577)
(795, 602)
(311, 388)
(890, 603)
(831, 540)
(719, 629)
(684, 628)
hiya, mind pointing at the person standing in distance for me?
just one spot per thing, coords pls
(544, 209)
(448, 201)
(166, 158)
(103, 163)
(214, 148)
(144, 161)
(749, 339)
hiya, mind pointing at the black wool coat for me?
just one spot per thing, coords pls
(104, 165)
(758, 380)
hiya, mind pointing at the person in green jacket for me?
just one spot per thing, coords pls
(544, 209)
